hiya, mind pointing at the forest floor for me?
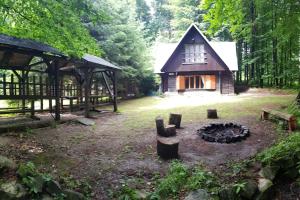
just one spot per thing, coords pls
(121, 147)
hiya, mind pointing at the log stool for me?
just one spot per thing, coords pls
(167, 147)
(175, 119)
(170, 130)
(160, 127)
(212, 114)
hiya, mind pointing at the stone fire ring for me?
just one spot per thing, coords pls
(224, 133)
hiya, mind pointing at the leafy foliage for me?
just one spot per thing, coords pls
(174, 181)
(127, 193)
(287, 148)
(123, 44)
(180, 178)
(267, 34)
(31, 178)
(57, 23)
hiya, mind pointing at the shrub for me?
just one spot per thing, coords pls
(174, 181)
(287, 148)
(181, 179)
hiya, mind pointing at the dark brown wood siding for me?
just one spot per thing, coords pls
(227, 83)
(175, 63)
(172, 83)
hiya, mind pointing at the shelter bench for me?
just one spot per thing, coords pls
(290, 119)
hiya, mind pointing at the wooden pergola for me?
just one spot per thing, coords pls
(24, 59)
(85, 70)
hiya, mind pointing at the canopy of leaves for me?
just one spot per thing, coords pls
(58, 23)
(124, 44)
(267, 33)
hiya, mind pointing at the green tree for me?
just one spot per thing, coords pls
(185, 12)
(58, 23)
(123, 44)
(144, 16)
(267, 33)
(161, 23)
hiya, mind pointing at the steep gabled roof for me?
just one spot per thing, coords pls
(228, 56)
(227, 52)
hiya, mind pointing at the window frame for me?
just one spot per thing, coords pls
(194, 53)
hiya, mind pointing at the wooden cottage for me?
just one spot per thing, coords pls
(196, 64)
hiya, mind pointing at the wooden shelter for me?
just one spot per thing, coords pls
(95, 81)
(19, 56)
(33, 72)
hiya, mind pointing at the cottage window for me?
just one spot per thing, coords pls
(194, 53)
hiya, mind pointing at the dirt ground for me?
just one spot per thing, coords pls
(110, 152)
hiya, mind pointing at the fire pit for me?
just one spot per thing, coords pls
(224, 133)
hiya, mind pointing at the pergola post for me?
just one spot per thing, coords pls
(87, 91)
(23, 91)
(57, 93)
(115, 91)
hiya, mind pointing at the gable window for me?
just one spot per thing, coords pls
(194, 53)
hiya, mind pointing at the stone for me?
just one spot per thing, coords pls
(249, 190)
(6, 163)
(199, 194)
(228, 194)
(265, 189)
(269, 172)
(291, 173)
(47, 197)
(285, 163)
(12, 190)
(53, 188)
(141, 194)
(264, 184)
(86, 121)
(73, 195)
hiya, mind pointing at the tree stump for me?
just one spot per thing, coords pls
(170, 130)
(160, 127)
(167, 148)
(175, 119)
(212, 114)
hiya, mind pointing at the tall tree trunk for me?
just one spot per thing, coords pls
(253, 41)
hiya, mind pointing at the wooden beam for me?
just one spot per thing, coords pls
(115, 92)
(57, 92)
(87, 86)
(37, 63)
(6, 56)
(31, 53)
(107, 85)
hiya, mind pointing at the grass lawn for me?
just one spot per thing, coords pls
(140, 113)
(121, 148)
